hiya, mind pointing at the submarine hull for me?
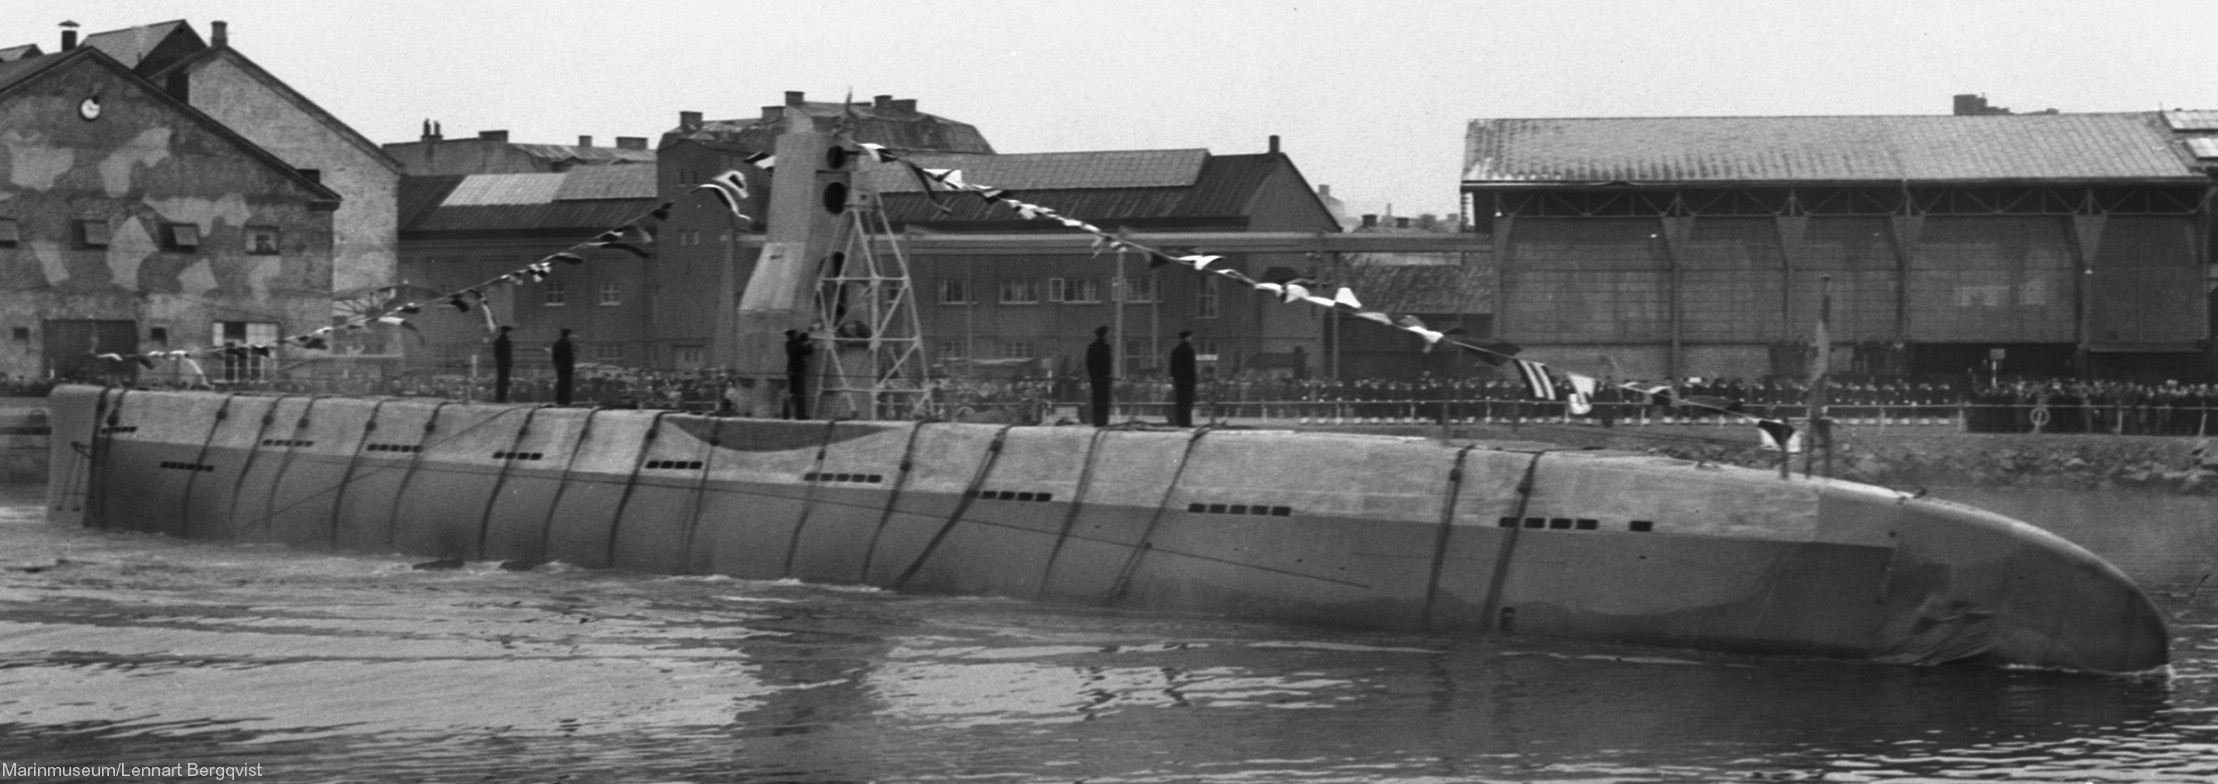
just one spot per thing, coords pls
(1324, 528)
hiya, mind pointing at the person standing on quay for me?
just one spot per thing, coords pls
(504, 361)
(1183, 378)
(797, 373)
(1101, 367)
(565, 366)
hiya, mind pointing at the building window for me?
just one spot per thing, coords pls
(158, 336)
(556, 295)
(612, 294)
(1019, 291)
(1205, 350)
(1019, 349)
(261, 240)
(1205, 301)
(92, 234)
(1083, 290)
(1141, 290)
(608, 352)
(180, 237)
(953, 351)
(954, 291)
(248, 348)
(1139, 355)
(10, 234)
(1055, 290)
(692, 357)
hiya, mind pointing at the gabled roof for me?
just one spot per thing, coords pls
(1136, 187)
(1048, 170)
(163, 42)
(13, 53)
(587, 198)
(14, 75)
(1893, 149)
(199, 60)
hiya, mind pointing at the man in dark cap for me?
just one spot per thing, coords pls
(1101, 366)
(797, 373)
(504, 361)
(565, 366)
(1183, 378)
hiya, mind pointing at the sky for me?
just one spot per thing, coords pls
(1370, 97)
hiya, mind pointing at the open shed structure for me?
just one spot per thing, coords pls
(1706, 246)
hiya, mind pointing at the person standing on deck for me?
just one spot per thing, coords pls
(504, 361)
(1100, 368)
(1183, 379)
(565, 367)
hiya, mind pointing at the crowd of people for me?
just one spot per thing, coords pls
(2003, 405)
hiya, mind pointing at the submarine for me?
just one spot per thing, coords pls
(1372, 531)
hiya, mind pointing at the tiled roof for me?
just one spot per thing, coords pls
(2131, 146)
(1049, 170)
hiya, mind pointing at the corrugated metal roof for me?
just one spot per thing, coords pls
(594, 155)
(2131, 146)
(607, 182)
(2191, 119)
(1050, 170)
(484, 190)
(2204, 147)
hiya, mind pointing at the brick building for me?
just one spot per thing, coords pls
(1015, 307)
(1699, 246)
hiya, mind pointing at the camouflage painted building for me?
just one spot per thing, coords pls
(131, 222)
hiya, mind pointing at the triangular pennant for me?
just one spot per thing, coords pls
(1535, 376)
(1776, 434)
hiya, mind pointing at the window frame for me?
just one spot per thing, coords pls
(554, 294)
(611, 295)
(91, 233)
(276, 244)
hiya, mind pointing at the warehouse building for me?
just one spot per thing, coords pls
(2043, 244)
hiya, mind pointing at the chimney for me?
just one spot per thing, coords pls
(881, 102)
(69, 36)
(1274, 144)
(493, 136)
(1324, 191)
(793, 97)
(905, 105)
(219, 33)
(631, 142)
(773, 113)
(1401, 223)
(1370, 221)
(585, 140)
(689, 121)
